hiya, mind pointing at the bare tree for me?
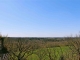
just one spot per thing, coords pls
(19, 49)
(74, 45)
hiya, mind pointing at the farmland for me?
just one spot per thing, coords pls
(42, 48)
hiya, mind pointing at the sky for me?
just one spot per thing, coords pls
(39, 18)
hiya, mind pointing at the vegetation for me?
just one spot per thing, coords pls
(43, 48)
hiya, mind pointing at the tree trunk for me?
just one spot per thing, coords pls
(19, 59)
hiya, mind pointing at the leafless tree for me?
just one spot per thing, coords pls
(74, 45)
(20, 49)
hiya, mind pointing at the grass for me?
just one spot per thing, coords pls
(55, 53)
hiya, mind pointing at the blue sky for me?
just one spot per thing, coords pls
(39, 18)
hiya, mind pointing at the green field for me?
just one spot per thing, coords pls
(56, 53)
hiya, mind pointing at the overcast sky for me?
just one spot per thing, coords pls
(39, 18)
